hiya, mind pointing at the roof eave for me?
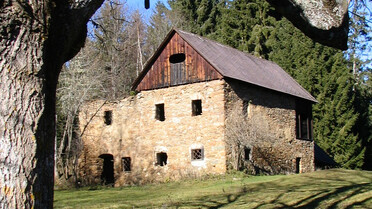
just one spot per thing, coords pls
(310, 98)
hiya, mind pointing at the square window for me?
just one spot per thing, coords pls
(159, 112)
(161, 158)
(108, 117)
(126, 162)
(196, 107)
(197, 154)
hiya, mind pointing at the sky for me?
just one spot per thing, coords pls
(140, 5)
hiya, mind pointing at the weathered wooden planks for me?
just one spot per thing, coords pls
(163, 73)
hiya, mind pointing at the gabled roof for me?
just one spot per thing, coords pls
(232, 63)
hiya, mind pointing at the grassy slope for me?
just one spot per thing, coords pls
(322, 189)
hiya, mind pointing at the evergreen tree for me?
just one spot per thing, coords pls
(358, 55)
(201, 16)
(253, 26)
(237, 22)
(337, 116)
(324, 72)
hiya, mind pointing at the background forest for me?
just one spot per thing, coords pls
(121, 40)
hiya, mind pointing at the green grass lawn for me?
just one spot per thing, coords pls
(335, 188)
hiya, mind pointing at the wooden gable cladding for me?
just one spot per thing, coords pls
(190, 69)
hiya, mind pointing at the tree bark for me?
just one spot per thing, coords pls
(37, 37)
(326, 22)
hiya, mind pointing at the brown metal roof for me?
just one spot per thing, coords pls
(238, 65)
(232, 63)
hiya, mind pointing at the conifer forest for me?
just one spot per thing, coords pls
(120, 40)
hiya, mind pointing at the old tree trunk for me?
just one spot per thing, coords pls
(37, 37)
(326, 22)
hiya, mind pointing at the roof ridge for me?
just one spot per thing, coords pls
(224, 45)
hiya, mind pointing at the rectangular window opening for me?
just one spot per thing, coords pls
(159, 112)
(303, 121)
(108, 117)
(126, 163)
(161, 158)
(196, 107)
(197, 154)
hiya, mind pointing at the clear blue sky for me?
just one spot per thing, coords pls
(140, 5)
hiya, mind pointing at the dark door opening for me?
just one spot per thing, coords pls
(298, 165)
(107, 175)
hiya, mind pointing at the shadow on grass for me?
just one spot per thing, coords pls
(337, 188)
(305, 192)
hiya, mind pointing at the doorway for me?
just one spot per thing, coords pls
(298, 165)
(107, 175)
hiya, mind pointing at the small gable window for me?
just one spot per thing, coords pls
(177, 58)
(161, 158)
(126, 162)
(159, 112)
(108, 117)
(197, 154)
(196, 106)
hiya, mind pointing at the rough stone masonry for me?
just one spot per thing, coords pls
(136, 134)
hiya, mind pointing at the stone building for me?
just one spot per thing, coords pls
(176, 125)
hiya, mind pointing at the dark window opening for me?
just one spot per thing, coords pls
(196, 107)
(247, 153)
(126, 162)
(107, 175)
(161, 158)
(177, 58)
(108, 117)
(159, 112)
(298, 165)
(108, 68)
(197, 154)
(303, 121)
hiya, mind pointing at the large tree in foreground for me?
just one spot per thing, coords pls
(37, 37)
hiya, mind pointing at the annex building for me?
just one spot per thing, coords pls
(178, 124)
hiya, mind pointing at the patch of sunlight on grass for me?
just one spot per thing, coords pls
(337, 188)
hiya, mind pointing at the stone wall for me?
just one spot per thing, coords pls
(135, 133)
(271, 141)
